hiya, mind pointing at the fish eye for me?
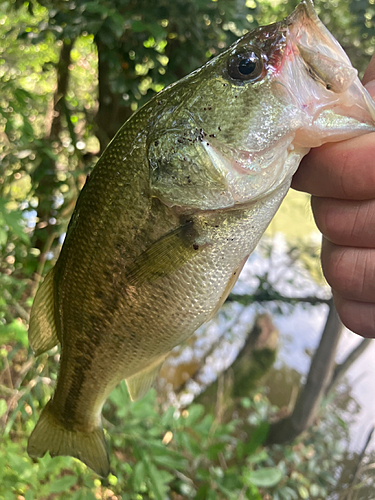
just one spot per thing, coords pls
(245, 66)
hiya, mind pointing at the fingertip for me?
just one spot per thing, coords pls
(359, 317)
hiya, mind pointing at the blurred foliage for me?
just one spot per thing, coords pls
(174, 454)
(71, 72)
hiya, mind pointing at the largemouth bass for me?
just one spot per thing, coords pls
(172, 210)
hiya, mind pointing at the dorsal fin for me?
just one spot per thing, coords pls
(42, 327)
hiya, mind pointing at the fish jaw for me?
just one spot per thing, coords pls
(317, 77)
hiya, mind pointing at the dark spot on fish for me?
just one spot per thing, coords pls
(204, 109)
(158, 102)
(196, 246)
(328, 86)
(185, 159)
(156, 143)
(219, 128)
(87, 177)
(119, 244)
(235, 96)
(107, 275)
(207, 143)
(180, 141)
(212, 135)
(99, 294)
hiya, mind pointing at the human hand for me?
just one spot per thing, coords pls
(341, 178)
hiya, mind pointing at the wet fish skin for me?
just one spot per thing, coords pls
(169, 215)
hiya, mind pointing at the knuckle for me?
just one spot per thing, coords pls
(350, 271)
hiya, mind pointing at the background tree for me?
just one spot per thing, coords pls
(71, 72)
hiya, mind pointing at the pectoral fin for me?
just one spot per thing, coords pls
(140, 383)
(42, 327)
(166, 256)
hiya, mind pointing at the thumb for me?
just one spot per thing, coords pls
(369, 77)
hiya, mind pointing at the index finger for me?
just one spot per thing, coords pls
(344, 170)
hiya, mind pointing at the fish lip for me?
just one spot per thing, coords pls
(304, 7)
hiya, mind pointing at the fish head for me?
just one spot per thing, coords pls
(236, 129)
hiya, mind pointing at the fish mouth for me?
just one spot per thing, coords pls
(324, 58)
(316, 75)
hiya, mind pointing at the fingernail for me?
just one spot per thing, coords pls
(370, 87)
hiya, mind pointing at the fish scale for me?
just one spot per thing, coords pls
(173, 208)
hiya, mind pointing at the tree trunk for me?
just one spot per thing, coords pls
(112, 113)
(45, 174)
(255, 359)
(320, 375)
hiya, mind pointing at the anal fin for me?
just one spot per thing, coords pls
(42, 327)
(141, 382)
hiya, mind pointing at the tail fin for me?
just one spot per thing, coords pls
(50, 435)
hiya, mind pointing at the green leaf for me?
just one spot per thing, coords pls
(257, 438)
(96, 8)
(14, 331)
(287, 493)
(3, 237)
(62, 484)
(264, 478)
(194, 413)
(256, 458)
(3, 407)
(139, 475)
(202, 493)
(13, 219)
(29, 495)
(158, 487)
(303, 492)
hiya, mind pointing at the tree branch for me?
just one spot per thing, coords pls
(272, 295)
(343, 367)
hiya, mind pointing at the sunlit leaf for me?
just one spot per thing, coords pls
(263, 478)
